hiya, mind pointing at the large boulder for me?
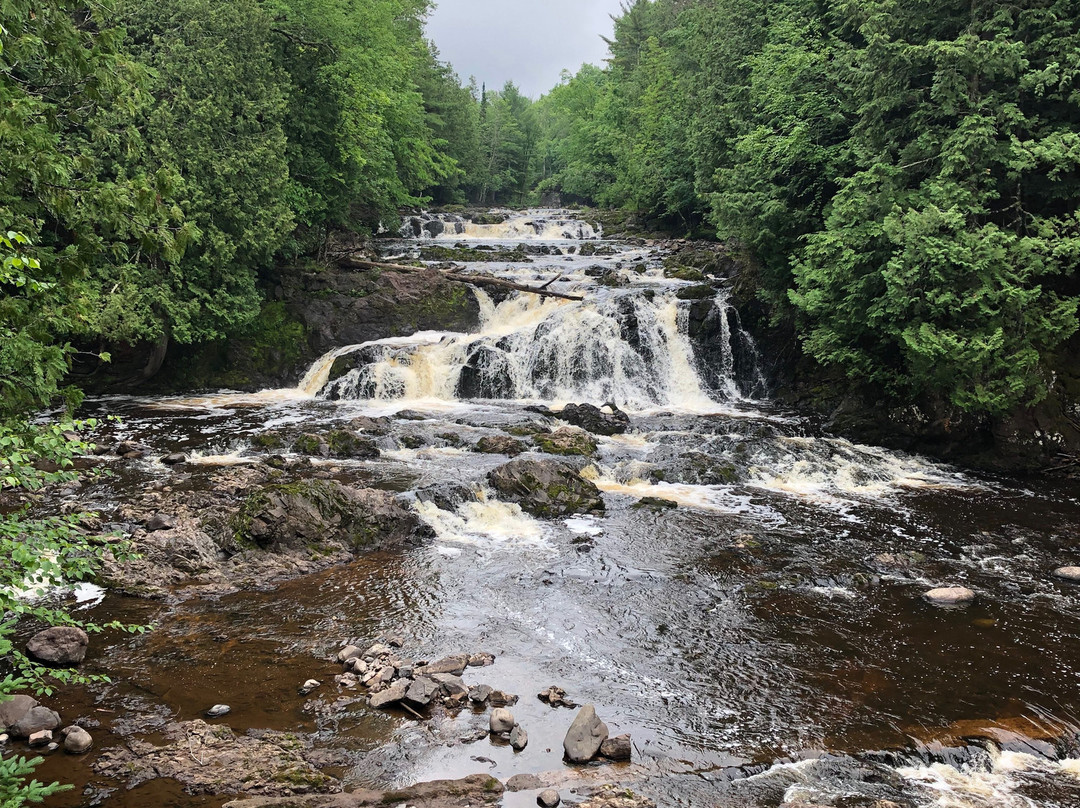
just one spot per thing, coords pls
(12, 710)
(37, 719)
(546, 488)
(317, 513)
(59, 645)
(585, 736)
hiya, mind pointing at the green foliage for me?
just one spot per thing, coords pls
(905, 172)
(40, 554)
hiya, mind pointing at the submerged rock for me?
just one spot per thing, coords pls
(950, 596)
(474, 791)
(59, 645)
(585, 736)
(77, 741)
(208, 759)
(546, 488)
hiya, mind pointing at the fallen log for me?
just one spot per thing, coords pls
(472, 280)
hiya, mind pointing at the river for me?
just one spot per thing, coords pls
(764, 641)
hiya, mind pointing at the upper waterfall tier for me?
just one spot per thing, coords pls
(533, 225)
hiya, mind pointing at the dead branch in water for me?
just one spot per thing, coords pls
(472, 280)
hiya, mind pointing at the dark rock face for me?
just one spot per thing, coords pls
(341, 443)
(500, 444)
(566, 442)
(60, 645)
(546, 488)
(595, 420)
(298, 515)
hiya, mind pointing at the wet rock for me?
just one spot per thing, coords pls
(502, 720)
(59, 645)
(1068, 574)
(15, 709)
(455, 664)
(212, 759)
(482, 660)
(566, 442)
(475, 791)
(546, 488)
(519, 738)
(161, 521)
(500, 698)
(392, 695)
(524, 782)
(349, 652)
(451, 685)
(617, 748)
(318, 513)
(548, 799)
(950, 596)
(77, 741)
(611, 796)
(309, 686)
(174, 459)
(218, 710)
(35, 719)
(556, 697)
(595, 420)
(585, 736)
(422, 691)
(655, 504)
(42, 737)
(500, 444)
(480, 694)
(349, 681)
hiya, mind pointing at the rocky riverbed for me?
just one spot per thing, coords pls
(503, 560)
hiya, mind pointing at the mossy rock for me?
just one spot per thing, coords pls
(311, 445)
(319, 515)
(566, 443)
(702, 292)
(546, 488)
(655, 504)
(268, 441)
(685, 274)
(500, 444)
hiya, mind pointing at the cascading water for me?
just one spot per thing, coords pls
(539, 225)
(622, 347)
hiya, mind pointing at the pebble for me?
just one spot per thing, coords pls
(950, 596)
(218, 710)
(481, 660)
(480, 693)
(502, 698)
(618, 748)
(1068, 574)
(502, 720)
(4, 738)
(348, 652)
(548, 799)
(309, 685)
(41, 738)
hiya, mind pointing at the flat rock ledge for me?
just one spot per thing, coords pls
(474, 790)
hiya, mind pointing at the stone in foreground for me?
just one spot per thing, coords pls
(519, 738)
(59, 645)
(618, 748)
(1068, 574)
(392, 695)
(585, 736)
(546, 488)
(77, 741)
(548, 799)
(35, 720)
(950, 596)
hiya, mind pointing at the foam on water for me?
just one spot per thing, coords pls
(487, 523)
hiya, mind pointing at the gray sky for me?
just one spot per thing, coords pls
(527, 41)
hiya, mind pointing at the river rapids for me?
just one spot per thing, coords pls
(764, 642)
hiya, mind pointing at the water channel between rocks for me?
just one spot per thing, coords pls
(772, 617)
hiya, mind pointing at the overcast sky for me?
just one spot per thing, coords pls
(529, 42)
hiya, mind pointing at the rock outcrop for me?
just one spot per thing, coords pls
(546, 488)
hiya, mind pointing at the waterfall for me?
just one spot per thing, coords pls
(536, 225)
(619, 346)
